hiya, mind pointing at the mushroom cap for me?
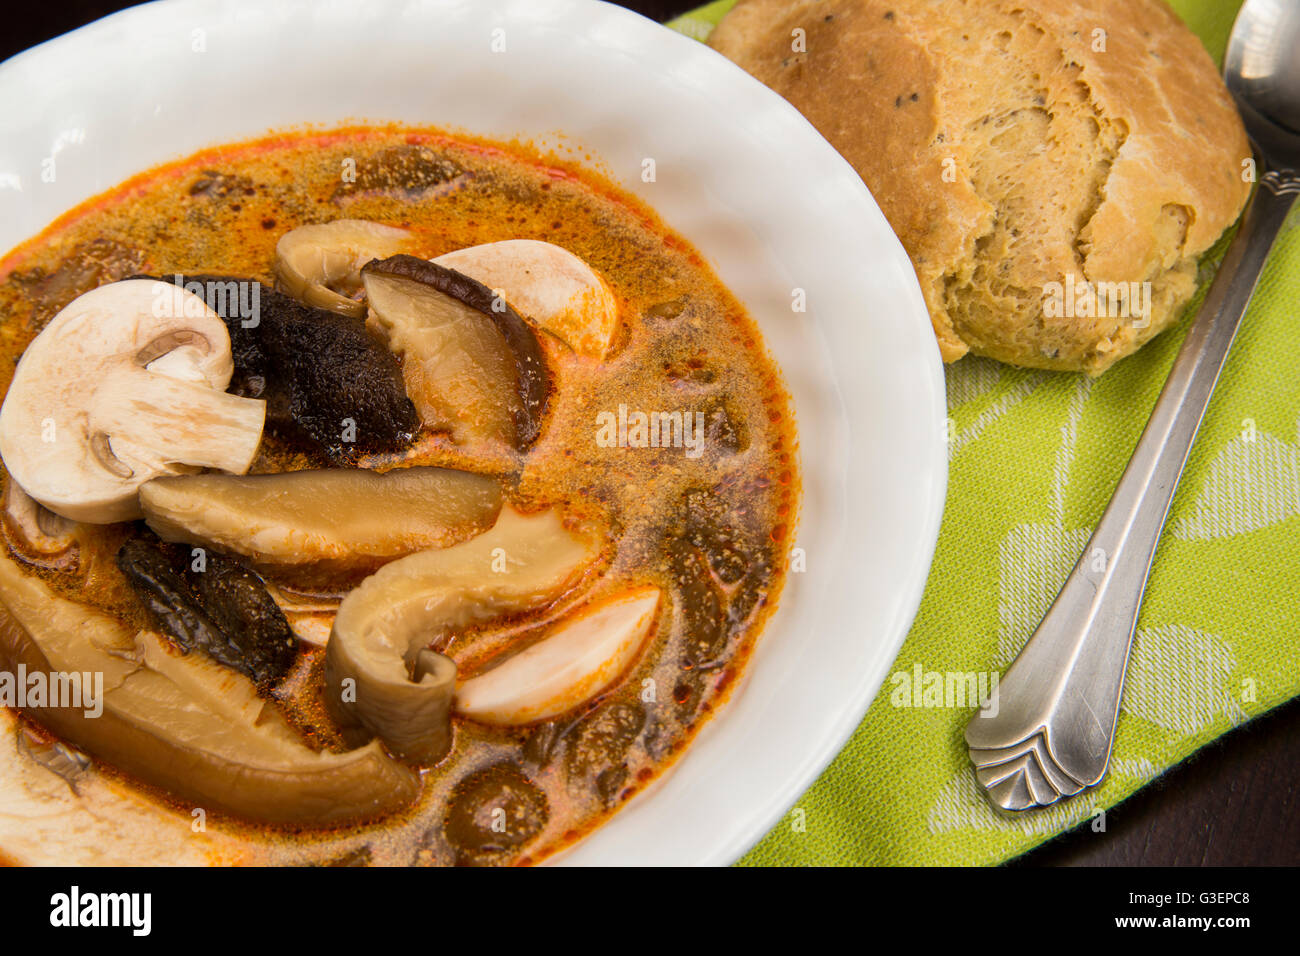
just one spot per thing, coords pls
(471, 362)
(311, 260)
(125, 383)
(546, 284)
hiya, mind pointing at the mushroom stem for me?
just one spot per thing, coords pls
(157, 420)
(416, 712)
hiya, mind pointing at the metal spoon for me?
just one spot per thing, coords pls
(1051, 732)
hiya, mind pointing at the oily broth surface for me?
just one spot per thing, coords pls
(710, 531)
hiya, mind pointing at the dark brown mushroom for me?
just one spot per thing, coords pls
(223, 610)
(472, 365)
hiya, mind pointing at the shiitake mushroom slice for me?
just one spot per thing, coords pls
(320, 264)
(322, 521)
(184, 723)
(381, 677)
(331, 387)
(223, 610)
(327, 380)
(239, 603)
(472, 365)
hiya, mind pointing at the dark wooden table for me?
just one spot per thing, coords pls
(1233, 804)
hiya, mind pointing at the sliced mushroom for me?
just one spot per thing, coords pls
(185, 724)
(120, 387)
(329, 384)
(585, 653)
(39, 530)
(330, 519)
(380, 675)
(472, 365)
(223, 609)
(547, 284)
(321, 264)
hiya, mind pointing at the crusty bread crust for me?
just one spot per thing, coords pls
(1012, 146)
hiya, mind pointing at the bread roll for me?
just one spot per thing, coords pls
(1018, 148)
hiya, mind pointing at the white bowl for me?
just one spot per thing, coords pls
(739, 173)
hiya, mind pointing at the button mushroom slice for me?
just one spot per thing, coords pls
(185, 724)
(381, 677)
(38, 530)
(547, 284)
(471, 364)
(584, 654)
(321, 264)
(125, 384)
(334, 519)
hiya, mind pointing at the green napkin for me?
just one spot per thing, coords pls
(1034, 458)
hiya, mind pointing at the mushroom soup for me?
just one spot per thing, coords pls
(415, 498)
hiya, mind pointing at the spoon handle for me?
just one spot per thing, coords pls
(1049, 729)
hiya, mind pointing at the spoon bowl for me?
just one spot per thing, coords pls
(1262, 71)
